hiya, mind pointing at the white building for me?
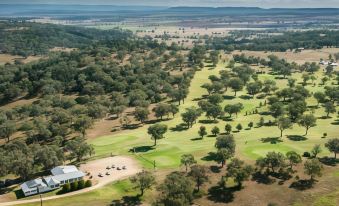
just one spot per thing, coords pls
(60, 176)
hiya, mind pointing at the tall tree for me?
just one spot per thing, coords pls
(313, 168)
(333, 146)
(157, 131)
(143, 180)
(187, 160)
(307, 121)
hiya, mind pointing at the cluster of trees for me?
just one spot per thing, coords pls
(26, 38)
(290, 40)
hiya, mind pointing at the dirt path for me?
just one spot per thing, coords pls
(95, 167)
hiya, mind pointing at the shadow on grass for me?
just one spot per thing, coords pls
(228, 97)
(197, 139)
(221, 194)
(131, 126)
(265, 113)
(211, 156)
(329, 161)
(302, 184)
(272, 140)
(215, 169)
(245, 97)
(142, 149)
(336, 122)
(127, 201)
(227, 119)
(296, 137)
(208, 121)
(179, 127)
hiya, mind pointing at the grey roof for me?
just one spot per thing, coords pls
(67, 176)
(50, 180)
(32, 185)
(64, 169)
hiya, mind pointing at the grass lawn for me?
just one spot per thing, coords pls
(251, 143)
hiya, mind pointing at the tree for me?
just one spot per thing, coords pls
(173, 109)
(143, 180)
(250, 125)
(190, 116)
(214, 111)
(187, 160)
(333, 146)
(254, 88)
(199, 174)
(316, 150)
(78, 148)
(239, 171)
(82, 123)
(7, 129)
(239, 127)
(177, 189)
(141, 114)
(329, 108)
(233, 108)
(296, 109)
(215, 99)
(227, 142)
(307, 121)
(293, 158)
(215, 130)
(284, 123)
(161, 110)
(320, 97)
(272, 161)
(313, 168)
(236, 84)
(202, 131)
(224, 154)
(228, 128)
(157, 131)
(277, 109)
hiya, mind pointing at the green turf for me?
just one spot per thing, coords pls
(249, 142)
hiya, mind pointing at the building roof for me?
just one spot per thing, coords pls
(64, 169)
(67, 176)
(50, 180)
(32, 185)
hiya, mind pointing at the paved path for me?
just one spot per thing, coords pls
(94, 167)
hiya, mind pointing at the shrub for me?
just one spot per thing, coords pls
(307, 154)
(66, 188)
(325, 134)
(74, 186)
(88, 183)
(81, 184)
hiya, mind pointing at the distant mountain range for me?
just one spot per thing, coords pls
(19, 10)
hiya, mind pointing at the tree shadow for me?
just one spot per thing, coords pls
(296, 137)
(262, 178)
(211, 156)
(142, 149)
(272, 140)
(153, 121)
(329, 161)
(179, 127)
(226, 119)
(196, 139)
(221, 194)
(336, 122)
(131, 126)
(208, 121)
(228, 97)
(265, 113)
(245, 97)
(127, 201)
(302, 184)
(215, 169)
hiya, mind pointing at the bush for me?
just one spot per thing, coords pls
(307, 154)
(66, 188)
(74, 186)
(81, 184)
(88, 183)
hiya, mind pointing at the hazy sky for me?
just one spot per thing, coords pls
(258, 3)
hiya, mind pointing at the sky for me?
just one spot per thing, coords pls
(212, 3)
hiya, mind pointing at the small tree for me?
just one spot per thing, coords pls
(228, 128)
(283, 123)
(88, 183)
(333, 146)
(293, 158)
(81, 184)
(329, 108)
(215, 130)
(66, 188)
(224, 154)
(143, 180)
(239, 171)
(261, 122)
(239, 127)
(307, 121)
(313, 168)
(199, 174)
(157, 131)
(250, 125)
(7, 129)
(316, 150)
(74, 186)
(202, 131)
(187, 160)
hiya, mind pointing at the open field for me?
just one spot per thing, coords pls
(7, 58)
